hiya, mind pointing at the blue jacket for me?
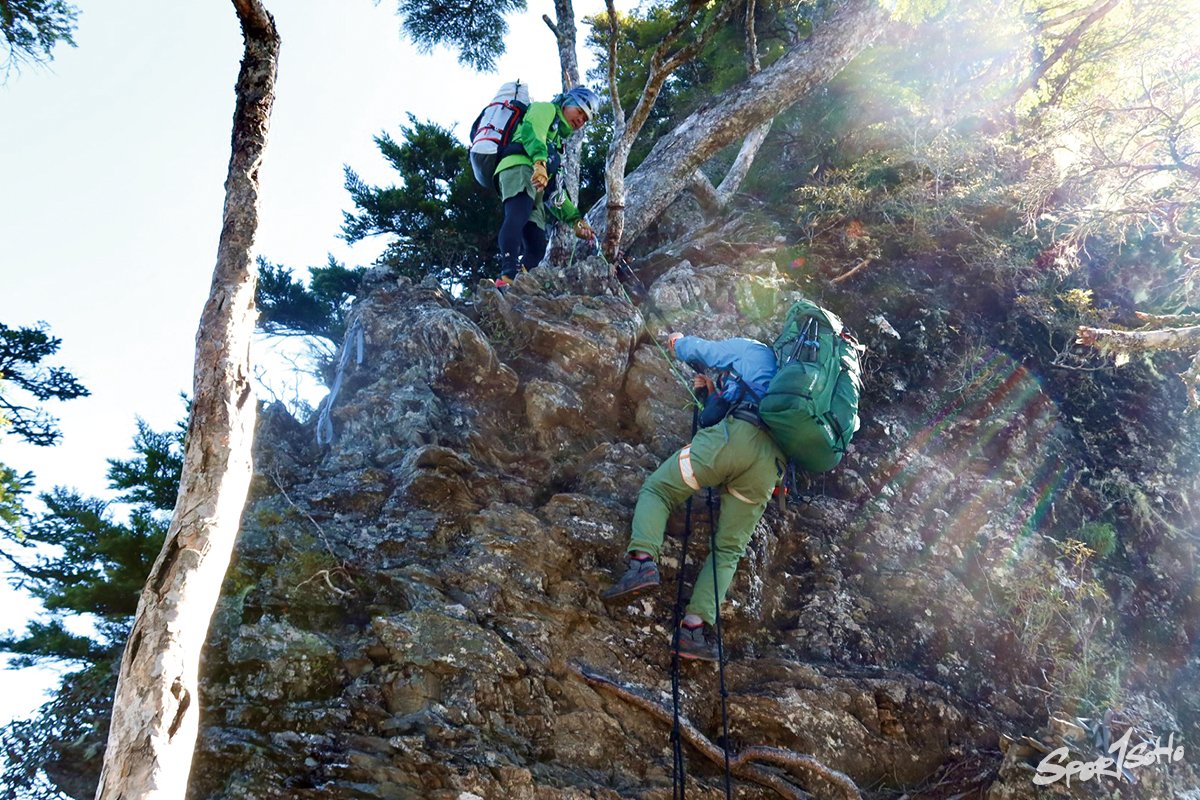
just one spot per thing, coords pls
(747, 359)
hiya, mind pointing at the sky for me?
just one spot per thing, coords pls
(112, 168)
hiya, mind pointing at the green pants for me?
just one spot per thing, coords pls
(735, 455)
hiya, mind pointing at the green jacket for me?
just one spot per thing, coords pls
(542, 127)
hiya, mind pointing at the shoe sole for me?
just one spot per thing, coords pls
(694, 657)
(631, 594)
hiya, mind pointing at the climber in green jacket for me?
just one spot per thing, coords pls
(525, 179)
(733, 450)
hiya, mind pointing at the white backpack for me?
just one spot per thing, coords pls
(493, 129)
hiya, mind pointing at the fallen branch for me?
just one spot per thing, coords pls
(852, 271)
(1125, 342)
(1139, 341)
(741, 764)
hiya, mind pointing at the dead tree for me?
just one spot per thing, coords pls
(718, 198)
(565, 36)
(155, 710)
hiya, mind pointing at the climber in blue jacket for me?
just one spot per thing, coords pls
(732, 450)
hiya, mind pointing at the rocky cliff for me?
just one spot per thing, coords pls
(413, 610)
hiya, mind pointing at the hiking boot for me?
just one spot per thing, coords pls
(694, 645)
(641, 577)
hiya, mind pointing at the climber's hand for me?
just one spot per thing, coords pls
(671, 339)
(540, 177)
(583, 230)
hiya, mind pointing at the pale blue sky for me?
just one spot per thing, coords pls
(112, 165)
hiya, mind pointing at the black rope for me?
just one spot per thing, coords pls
(679, 768)
(712, 553)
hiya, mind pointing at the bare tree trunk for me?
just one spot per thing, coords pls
(754, 140)
(741, 165)
(676, 156)
(155, 710)
(564, 30)
(705, 193)
(625, 131)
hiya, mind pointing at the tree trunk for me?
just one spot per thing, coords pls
(564, 30)
(741, 165)
(155, 710)
(670, 165)
(625, 130)
(754, 140)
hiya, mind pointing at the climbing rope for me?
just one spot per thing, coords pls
(678, 768)
(712, 553)
(662, 321)
(678, 771)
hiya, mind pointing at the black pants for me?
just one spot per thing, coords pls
(520, 240)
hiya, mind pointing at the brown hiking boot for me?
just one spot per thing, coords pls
(694, 645)
(641, 577)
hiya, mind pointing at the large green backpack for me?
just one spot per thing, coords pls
(811, 405)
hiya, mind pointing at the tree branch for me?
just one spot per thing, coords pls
(1139, 341)
(705, 193)
(1123, 343)
(742, 764)
(1098, 11)
(1166, 319)
(613, 33)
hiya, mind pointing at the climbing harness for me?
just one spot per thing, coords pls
(354, 334)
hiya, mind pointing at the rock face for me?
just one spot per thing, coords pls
(414, 610)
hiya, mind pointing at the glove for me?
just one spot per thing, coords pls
(583, 230)
(540, 177)
(704, 386)
(716, 408)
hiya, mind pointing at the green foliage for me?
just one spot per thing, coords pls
(1100, 538)
(87, 566)
(23, 375)
(440, 222)
(289, 308)
(58, 751)
(12, 509)
(99, 565)
(475, 29)
(722, 64)
(151, 478)
(29, 30)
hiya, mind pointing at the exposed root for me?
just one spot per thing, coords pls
(822, 781)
